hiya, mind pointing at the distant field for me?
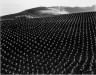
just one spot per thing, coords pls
(62, 44)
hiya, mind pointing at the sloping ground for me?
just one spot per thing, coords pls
(61, 44)
(31, 13)
(39, 12)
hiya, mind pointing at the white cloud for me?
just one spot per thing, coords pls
(14, 6)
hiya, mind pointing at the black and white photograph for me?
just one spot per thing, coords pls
(40, 37)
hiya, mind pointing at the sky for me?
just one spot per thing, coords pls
(15, 6)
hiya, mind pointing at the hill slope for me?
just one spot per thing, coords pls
(61, 44)
(39, 12)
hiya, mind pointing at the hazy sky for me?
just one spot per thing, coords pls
(14, 6)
